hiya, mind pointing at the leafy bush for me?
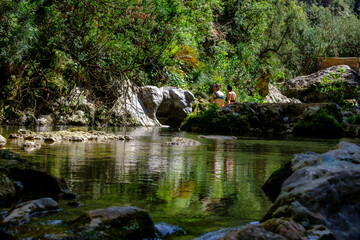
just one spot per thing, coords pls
(322, 124)
(353, 119)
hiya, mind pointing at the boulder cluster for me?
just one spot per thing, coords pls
(316, 196)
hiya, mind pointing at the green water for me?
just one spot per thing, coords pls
(201, 189)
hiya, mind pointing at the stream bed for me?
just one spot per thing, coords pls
(197, 189)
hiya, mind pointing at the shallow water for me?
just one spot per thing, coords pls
(198, 188)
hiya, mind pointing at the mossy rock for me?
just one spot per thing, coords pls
(116, 223)
(324, 123)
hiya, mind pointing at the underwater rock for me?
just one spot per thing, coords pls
(167, 230)
(117, 223)
(25, 210)
(218, 137)
(68, 196)
(183, 142)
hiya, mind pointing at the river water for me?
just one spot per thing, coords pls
(197, 188)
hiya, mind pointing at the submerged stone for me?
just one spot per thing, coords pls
(117, 223)
(183, 142)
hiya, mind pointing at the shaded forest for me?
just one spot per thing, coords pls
(47, 47)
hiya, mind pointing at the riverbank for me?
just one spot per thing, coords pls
(304, 119)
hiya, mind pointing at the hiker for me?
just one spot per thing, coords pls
(217, 96)
(230, 96)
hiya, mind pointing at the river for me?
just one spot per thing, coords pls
(197, 188)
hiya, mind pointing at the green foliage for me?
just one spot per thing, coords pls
(333, 86)
(353, 119)
(48, 47)
(211, 120)
(323, 123)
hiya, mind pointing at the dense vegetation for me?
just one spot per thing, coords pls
(49, 46)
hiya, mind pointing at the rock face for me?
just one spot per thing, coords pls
(23, 211)
(321, 194)
(175, 106)
(275, 96)
(277, 118)
(2, 141)
(153, 106)
(117, 223)
(136, 106)
(308, 88)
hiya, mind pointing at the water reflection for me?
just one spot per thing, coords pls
(199, 188)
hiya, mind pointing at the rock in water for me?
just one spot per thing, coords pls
(23, 211)
(117, 223)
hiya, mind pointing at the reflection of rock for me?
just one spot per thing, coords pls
(2, 141)
(183, 142)
(218, 206)
(23, 212)
(7, 189)
(117, 223)
(30, 145)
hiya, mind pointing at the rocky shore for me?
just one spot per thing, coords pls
(318, 198)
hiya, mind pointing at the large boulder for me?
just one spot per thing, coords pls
(269, 118)
(176, 104)
(131, 110)
(316, 87)
(274, 95)
(322, 194)
(117, 223)
(152, 97)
